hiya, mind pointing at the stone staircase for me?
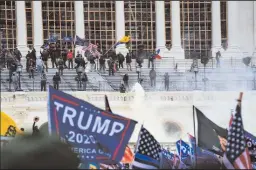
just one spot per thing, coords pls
(68, 83)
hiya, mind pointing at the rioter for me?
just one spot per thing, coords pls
(33, 53)
(39, 65)
(102, 61)
(12, 68)
(128, 62)
(218, 55)
(151, 60)
(139, 61)
(78, 59)
(64, 57)
(56, 81)
(78, 77)
(35, 130)
(54, 57)
(111, 66)
(125, 79)
(121, 59)
(17, 54)
(9, 59)
(152, 76)
(28, 57)
(2, 59)
(122, 88)
(43, 82)
(15, 81)
(61, 66)
(31, 68)
(45, 56)
(166, 81)
(84, 80)
(92, 63)
(70, 59)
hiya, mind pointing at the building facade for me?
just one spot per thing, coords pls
(179, 27)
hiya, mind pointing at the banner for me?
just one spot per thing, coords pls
(96, 135)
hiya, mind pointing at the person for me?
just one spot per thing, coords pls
(120, 58)
(151, 59)
(128, 62)
(33, 53)
(64, 57)
(43, 82)
(61, 66)
(92, 63)
(38, 152)
(84, 80)
(111, 66)
(56, 80)
(28, 57)
(15, 81)
(31, 67)
(17, 54)
(35, 130)
(45, 56)
(78, 59)
(166, 81)
(218, 55)
(125, 79)
(12, 68)
(70, 59)
(122, 88)
(102, 61)
(152, 76)
(39, 65)
(53, 57)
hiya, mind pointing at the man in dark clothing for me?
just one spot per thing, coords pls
(218, 55)
(64, 57)
(102, 63)
(17, 54)
(122, 88)
(111, 67)
(120, 58)
(152, 75)
(61, 66)
(166, 81)
(33, 54)
(92, 63)
(151, 59)
(84, 80)
(125, 79)
(43, 82)
(54, 58)
(128, 62)
(28, 57)
(56, 80)
(35, 130)
(31, 68)
(78, 60)
(44, 56)
(13, 68)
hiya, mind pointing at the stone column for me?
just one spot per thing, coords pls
(21, 29)
(233, 50)
(216, 28)
(254, 32)
(120, 27)
(79, 21)
(177, 52)
(37, 26)
(160, 27)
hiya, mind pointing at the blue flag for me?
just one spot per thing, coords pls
(79, 41)
(95, 135)
(68, 39)
(53, 38)
(183, 149)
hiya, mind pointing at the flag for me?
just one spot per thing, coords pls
(209, 133)
(68, 39)
(125, 39)
(107, 107)
(148, 150)
(53, 38)
(114, 166)
(128, 155)
(237, 154)
(166, 159)
(251, 144)
(157, 56)
(102, 136)
(79, 41)
(183, 149)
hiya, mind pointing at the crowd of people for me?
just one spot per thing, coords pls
(64, 58)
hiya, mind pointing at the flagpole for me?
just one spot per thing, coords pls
(110, 48)
(195, 154)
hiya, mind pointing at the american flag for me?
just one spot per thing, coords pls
(148, 151)
(237, 154)
(90, 47)
(115, 166)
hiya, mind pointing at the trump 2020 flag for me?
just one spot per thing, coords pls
(96, 135)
